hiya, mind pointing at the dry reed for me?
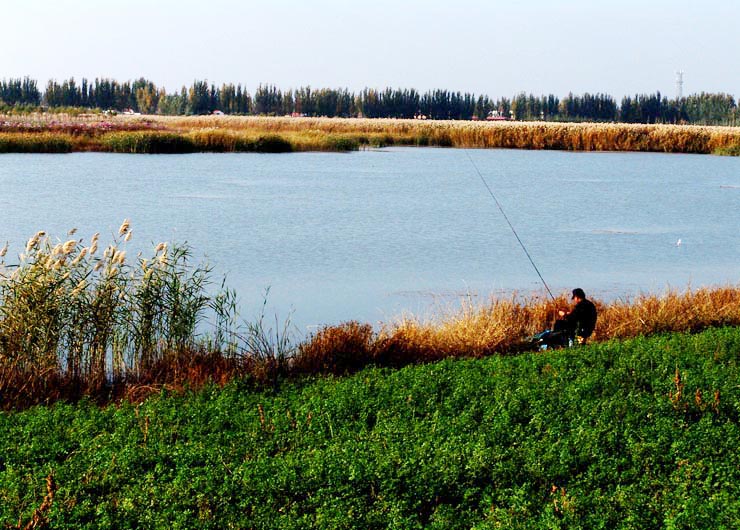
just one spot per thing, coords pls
(504, 326)
(336, 349)
(451, 133)
(81, 320)
(270, 134)
(77, 321)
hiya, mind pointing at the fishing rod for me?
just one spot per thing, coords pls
(521, 243)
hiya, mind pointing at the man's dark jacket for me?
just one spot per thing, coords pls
(582, 320)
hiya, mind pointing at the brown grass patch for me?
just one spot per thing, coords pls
(339, 349)
(500, 327)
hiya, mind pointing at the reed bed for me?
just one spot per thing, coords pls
(503, 325)
(169, 142)
(161, 134)
(515, 135)
(75, 127)
(147, 143)
(81, 319)
(36, 143)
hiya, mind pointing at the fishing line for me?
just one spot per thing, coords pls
(521, 243)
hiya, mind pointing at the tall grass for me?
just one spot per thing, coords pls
(147, 143)
(159, 134)
(503, 325)
(728, 150)
(82, 319)
(35, 143)
(518, 135)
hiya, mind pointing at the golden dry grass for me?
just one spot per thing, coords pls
(244, 133)
(44, 142)
(336, 349)
(503, 325)
(470, 331)
(523, 135)
(74, 323)
(690, 310)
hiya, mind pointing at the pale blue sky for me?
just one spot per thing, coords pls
(492, 47)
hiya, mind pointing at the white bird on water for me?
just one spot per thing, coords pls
(678, 243)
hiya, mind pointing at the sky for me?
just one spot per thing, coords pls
(493, 47)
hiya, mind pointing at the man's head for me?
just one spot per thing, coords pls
(578, 294)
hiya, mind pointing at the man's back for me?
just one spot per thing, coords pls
(583, 318)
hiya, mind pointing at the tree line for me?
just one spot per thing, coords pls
(144, 96)
(20, 92)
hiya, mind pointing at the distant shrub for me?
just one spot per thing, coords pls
(35, 143)
(382, 140)
(342, 143)
(443, 140)
(221, 141)
(730, 150)
(272, 144)
(336, 349)
(148, 143)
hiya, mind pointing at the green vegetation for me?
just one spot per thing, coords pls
(635, 434)
(147, 143)
(78, 321)
(35, 143)
(732, 150)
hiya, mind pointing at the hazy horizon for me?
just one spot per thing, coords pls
(617, 48)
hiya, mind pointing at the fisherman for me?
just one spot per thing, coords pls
(575, 325)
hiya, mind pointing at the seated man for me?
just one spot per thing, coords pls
(577, 324)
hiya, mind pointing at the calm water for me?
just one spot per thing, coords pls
(372, 234)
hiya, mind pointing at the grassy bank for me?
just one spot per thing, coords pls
(160, 134)
(635, 434)
(81, 318)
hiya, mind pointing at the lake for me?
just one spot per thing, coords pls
(371, 235)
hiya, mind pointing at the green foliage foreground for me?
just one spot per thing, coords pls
(634, 434)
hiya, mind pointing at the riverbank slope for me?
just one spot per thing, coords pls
(641, 433)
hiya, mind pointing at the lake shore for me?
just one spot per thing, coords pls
(83, 322)
(640, 433)
(185, 134)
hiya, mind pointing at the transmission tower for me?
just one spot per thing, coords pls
(679, 84)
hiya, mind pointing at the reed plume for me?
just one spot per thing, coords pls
(73, 323)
